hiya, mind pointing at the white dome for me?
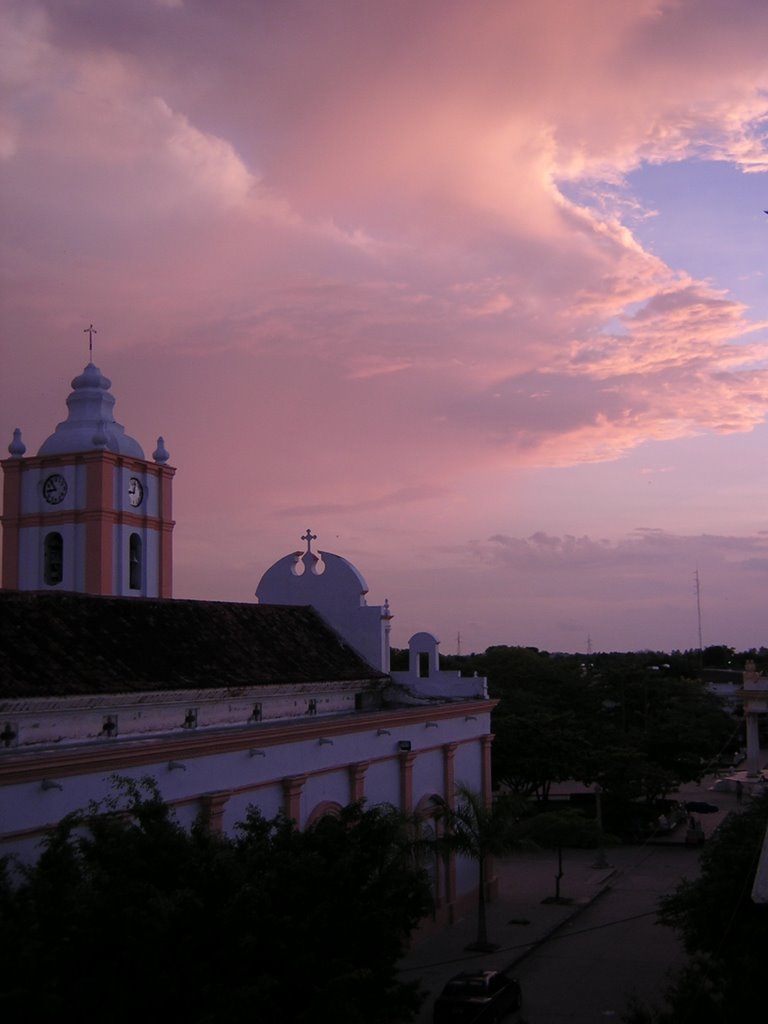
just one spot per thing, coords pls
(335, 589)
(310, 578)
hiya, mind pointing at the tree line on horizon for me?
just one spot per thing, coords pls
(689, 662)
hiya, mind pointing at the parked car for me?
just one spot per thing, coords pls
(701, 807)
(477, 997)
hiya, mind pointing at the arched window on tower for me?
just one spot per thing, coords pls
(53, 559)
(134, 562)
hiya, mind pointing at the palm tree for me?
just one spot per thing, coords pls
(476, 829)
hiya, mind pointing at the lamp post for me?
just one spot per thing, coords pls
(600, 862)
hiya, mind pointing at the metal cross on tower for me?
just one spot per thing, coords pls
(90, 331)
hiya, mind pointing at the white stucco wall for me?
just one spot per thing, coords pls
(248, 765)
(32, 480)
(383, 779)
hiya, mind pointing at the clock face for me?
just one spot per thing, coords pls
(54, 488)
(135, 492)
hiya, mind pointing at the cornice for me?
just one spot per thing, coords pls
(74, 458)
(76, 516)
(19, 766)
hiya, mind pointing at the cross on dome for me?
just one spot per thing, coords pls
(90, 331)
(309, 537)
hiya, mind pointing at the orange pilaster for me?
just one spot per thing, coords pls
(449, 785)
(212, 805)
(486, 777)
(406, 782)
(165, 538)
(99, 520)
(165, 570)
(357, 781)
(165, 508)
(492, 882)
(293, 787)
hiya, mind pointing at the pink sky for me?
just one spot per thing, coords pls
(477, 291)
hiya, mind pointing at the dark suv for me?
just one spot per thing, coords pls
(477, 997)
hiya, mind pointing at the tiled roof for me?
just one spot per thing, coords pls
(59, 644)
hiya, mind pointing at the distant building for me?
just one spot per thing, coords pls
(287, 704)
(726, 684)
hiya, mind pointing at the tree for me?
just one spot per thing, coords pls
(723, 930)
(568, 717)
(477, 830)
(125, 910)
(562, 717)
(539, 739)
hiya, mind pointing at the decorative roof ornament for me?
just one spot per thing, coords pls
(309, 537)
(100, 439)
(160, 454)
(17, 446)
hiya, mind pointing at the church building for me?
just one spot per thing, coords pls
(287, 702)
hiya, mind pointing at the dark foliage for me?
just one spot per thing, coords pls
(640, 724)
(128, 916)
(725, 933)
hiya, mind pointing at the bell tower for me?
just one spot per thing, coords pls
(88, 513)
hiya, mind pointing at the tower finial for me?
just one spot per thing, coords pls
(90, 330)
(17, 446)
(309, 537)
(160, 454)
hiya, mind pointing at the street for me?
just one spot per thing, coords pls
(587, 972)
(614, 949)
